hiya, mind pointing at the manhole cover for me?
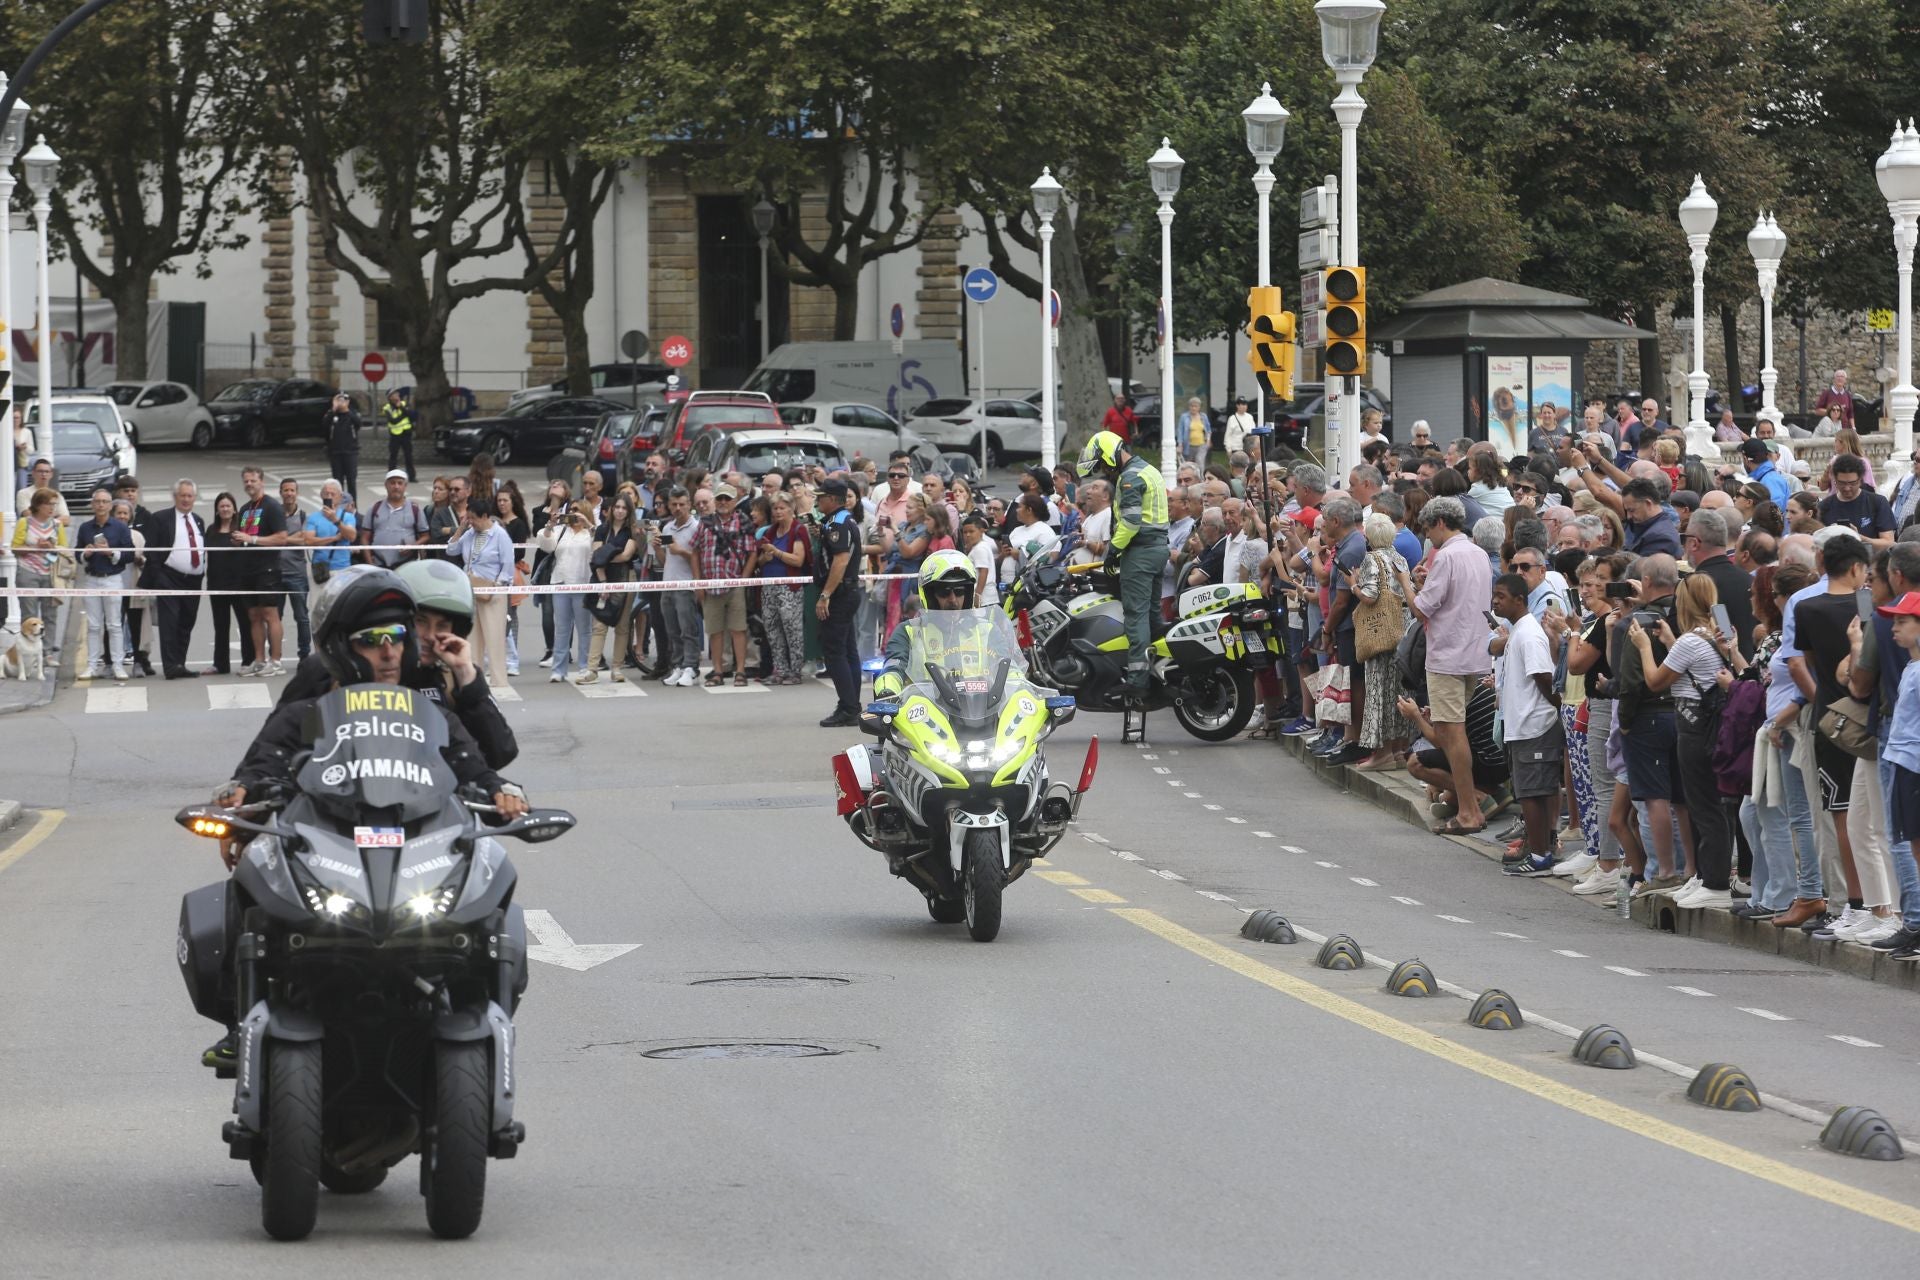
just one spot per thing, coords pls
(744, 1049)
(755, 802)
(773, 980)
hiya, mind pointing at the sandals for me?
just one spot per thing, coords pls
(1453, 828)
(714, 680)
(1261, 732)
(740, 680)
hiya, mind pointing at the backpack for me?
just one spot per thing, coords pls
(1411, 654)
(1740, 720)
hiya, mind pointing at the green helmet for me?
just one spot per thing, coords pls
(1103, 450)
(947, 569)
(439, 587)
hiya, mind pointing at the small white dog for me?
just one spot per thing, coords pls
(22, 655)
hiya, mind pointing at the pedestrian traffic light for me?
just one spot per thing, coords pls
(1344, 320)
(1270, 342)
(394, 21)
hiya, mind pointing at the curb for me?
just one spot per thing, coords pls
(61, 678)
(11, 811)
(1397, 794)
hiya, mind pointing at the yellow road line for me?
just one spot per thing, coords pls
(1097, 895)
(43, 827)
(1060, 877)
(1590, 1105)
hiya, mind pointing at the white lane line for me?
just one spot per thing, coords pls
(1166, 875)
(1293, 848)
(733, 689)
(1130, 857)
(625, 689)
(102, 699)
(1217, 897)
(1161, 769)
(1454, 919)
(1172, 783)
(1191, 795)
(1571, 955)
(1409, 902)
(1857, 1042)
(1331, 866)
(1768, 1014)
(1266, 835)
(1623, 971)
(1094, 836)
(1692, 991)
(1519, 936)
(506, 693)
(1240, 821)
(238, 697)
(1149, 757)
(1211, 808)
(1364, 883)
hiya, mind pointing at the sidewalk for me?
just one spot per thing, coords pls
(1398, 794)
(26, 695)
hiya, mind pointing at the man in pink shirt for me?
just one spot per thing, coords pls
(1453, 604)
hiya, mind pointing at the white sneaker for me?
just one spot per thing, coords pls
(1702, 896)
(1578, 865)
(1874, 928)
(1692, 885)
(274, 669)
(1599, 882)
(251, 669)
(547, 661)
(1842, 925)
(120, 674)
(689, 676)
(556, 677)
(1740, 888)
(586, 677)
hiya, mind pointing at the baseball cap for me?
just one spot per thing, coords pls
(837, 487)
(1756, 450)
(396, 474)
(1685, 498)
(1907, 606)
(724, 491)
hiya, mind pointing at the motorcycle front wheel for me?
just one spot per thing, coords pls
(1217, 703)
(289, 1173)
(981, 873)
(456, 1184)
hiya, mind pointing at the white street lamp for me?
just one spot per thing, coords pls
(1349, 41)
(1046, 203)
(1899, 174)
(1698, 213)
(1164, 168)
(43, 170)
(13, 138)
(763, 227)
(1266, 122)
(1768, 244)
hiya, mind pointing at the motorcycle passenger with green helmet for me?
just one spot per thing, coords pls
(947, 581)
(440, 664)
(1137, 554)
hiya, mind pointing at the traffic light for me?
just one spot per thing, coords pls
(6, 376)
(1344, 320)
(1271, 352)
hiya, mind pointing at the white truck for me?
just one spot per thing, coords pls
(862, 372)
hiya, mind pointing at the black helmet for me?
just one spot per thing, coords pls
(353, 599)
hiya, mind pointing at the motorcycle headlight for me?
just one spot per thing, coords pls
(425, 906)
(1006, 750)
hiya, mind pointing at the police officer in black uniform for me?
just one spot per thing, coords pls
(836, 569)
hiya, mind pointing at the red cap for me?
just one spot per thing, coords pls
(1907, 606)
(1308, 516)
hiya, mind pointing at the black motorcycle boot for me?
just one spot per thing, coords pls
(222, 1055)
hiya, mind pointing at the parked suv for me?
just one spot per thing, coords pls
(702, 409)
(755, 451)
(530, 429)
(102, 412)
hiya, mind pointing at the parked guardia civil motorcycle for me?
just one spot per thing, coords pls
(369, 944)
(957, 794)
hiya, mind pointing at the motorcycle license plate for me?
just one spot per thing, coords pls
(972, 685)
(379, 837)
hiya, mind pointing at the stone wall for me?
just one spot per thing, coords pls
(939, 311)
(546, 343)
(673, 260)
(323, 328)
(278, 240)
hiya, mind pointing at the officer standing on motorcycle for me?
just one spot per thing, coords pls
(947, 581)
(1137, 554)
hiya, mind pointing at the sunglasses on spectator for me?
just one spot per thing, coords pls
(898, 475)
(380, 637)
(1521, 566)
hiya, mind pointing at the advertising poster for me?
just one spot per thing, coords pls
(1507, 404)
(1192, 376)
(1553, 383)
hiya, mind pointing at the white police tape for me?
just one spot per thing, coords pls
(545, 589)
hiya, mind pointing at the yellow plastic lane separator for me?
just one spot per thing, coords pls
(1590, 1105)
(43, 826)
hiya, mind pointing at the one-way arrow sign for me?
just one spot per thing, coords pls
(554, 945)
(981, 284)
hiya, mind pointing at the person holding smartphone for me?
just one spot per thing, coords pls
(108, 552)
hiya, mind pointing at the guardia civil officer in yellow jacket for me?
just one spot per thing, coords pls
(399, 423)
(1138, 551)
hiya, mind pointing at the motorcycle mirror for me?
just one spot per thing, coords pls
(1061, 709)
(539, 826)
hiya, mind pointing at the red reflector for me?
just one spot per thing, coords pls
(1093, 762)
(606, 451)
(1023, 629)
(1256, 615)
(847, 794)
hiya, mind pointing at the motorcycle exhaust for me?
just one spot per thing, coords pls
(374, 1152)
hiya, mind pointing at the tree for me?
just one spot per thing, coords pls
(409, 173)
(153, 113)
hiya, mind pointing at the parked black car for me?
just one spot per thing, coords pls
(531, 429)
(258, 412)
(618, 444)
(82, 461)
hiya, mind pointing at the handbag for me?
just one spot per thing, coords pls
(1844, 724)
(1379, 623)
(607, 606)
(519, 580)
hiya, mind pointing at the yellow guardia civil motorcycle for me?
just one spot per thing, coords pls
(956, 794)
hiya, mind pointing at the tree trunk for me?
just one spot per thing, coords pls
(573, 329)
(1080, 364)
(1653, 377)
(130, 306)
(1730, 335)
(845, 279)
(425, 318)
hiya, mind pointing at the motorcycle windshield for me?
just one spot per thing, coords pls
(377, 747)
(967, 660)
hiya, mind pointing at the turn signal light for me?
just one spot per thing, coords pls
(210, 827)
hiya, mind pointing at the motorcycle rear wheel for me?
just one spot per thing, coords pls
(1225, 712)
(290, 1170)
(456, 1182)
(980, 868)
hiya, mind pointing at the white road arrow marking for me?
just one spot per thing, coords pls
(554, 945)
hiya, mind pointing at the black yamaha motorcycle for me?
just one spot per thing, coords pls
(370, 951)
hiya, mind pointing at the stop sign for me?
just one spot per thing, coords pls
(374, 367)
(676, 351)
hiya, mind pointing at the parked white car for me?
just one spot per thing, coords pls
(163, 413)
(1009, 427)
(865, 430)
(102, 412)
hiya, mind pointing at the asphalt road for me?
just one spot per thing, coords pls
(1117, 1086)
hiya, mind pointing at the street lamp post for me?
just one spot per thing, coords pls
(13, 138)
(1698, 213)
(1266, 122)
(43, 170)
(763, 227)
(1164, 168)
(1899, 174)
(1768, 244)
(1349, 41)
(1046, 202)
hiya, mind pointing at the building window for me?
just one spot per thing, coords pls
(389, 333)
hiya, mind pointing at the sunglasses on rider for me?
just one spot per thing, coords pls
(942, 591)
(380, 637)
